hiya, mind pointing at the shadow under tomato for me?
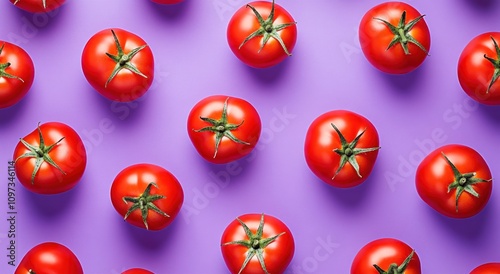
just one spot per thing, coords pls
(172, 12)
(34, 23)
(405, 84)
(483, 5)
(153, 241)
(490, 112)
(9, 115)
(271, 75)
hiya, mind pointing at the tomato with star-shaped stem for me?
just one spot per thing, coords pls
(147, 196)
(341, 148)
(51, 159)
(454, 180)
(479, 68)
(36, 6)
(394, 37)
(118, 64)
(223, 128)
(49, 257)
(257, 243)
(262, 34)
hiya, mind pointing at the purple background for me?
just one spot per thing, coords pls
(328, 71)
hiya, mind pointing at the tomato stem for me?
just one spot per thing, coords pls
(495, 63)
(144, 203)
(5, 66)
(394, 268)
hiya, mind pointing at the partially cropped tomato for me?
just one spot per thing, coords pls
(51, 159)
(118, 64)
(479, 68)
(386, 256)
(262, 34)
(16, 74)
(36, 6)
(147, 196)
(455, 180)
(167, 1)
(341, 148)
(394, 37)
(257, 243)
(488, 268)
(223, 128)
(137, 271)
(49, 258)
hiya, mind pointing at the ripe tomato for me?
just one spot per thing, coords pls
(118, 64)
(455, 181)
(167, 1)
(147, 196)
(257, 243)
(489, 268)
(51, 159)
(35, 6)
(223, 128)
(49, 257)
(394, 37)
(479, 68)
(137, 271)
(341, 148)
(16, 74)
(386, 255)
(262, 34)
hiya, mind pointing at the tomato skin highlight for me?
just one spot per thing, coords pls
(434, 175)
(384, 252)
(475, 72)
(36, 6)
(277, 255)
(239, 111)
(49, 258)
(12, 90)
(375, 37)
(133, 180)
(97, 67)
(70, 155)
(244, 22)
(321, 141)
(488, 268)
(137, 271)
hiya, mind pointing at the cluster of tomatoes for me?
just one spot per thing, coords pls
(341, 146)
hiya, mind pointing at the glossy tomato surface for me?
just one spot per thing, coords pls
(244, 22)
(435, 176)
(384, 253)
(67, 153)
(37, 6)
(239, 130)
(49, 258)
(322, 141)
(137, 271)
(276, 255)
(134, 77)
(488, 268)
(152, 209)
(17, 73)
(375, 38)
(476, 72)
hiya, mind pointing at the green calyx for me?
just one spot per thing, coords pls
(268, 29)
(255, 244)
(495, 63)
(348, 151)
(402, 33)
(123, 61)
(44, 3)
(40, 153)
(144, 203)
(221, 128)
(4, 67)
(463, 182)
(394, 268)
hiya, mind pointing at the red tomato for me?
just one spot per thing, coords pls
(147, 196)
(118, 64)
(489, 268)
(167, 1)
(394, 37)
(386, 255)
(223, 128)
(137, 271)
(51, 159)
(341, 148)
(455, 181)
(479, 68)
(16, 74)
(49, 258)
(36, 6)
(257, 243)
(262, 34)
